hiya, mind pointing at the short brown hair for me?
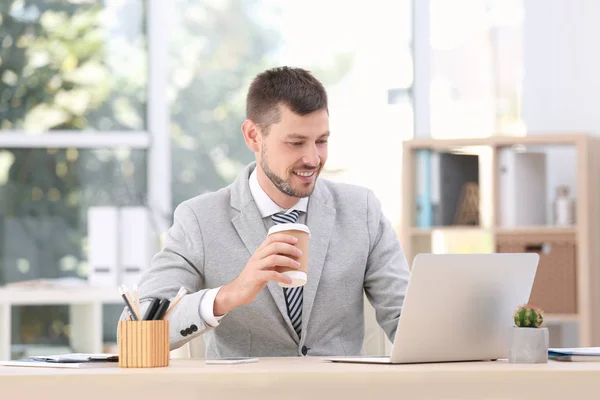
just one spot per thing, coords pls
(297, 88)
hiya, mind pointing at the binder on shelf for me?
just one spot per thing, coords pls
(135, 243)
(103, 255)
(522, 179)
(456, 170)
(120, 245)
(449, 173)
(435, 188)
(423, 200)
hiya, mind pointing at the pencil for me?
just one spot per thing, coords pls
(182, 292)
(127, 299)
(136, 298)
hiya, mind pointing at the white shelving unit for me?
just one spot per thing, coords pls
(575, 159)
(85, 309)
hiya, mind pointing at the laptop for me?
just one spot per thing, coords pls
(459, 307)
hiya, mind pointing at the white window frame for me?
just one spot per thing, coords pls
(159, 154)
(422, 68)
(77, 139)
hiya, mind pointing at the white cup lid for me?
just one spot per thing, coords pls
(298, 278)
(289, 227)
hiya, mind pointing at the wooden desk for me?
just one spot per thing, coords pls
(308, 379)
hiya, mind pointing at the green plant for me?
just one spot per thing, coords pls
(528, 316)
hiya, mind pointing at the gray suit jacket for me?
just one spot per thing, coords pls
(352, 248)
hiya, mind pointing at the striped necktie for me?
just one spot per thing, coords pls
(293, 296)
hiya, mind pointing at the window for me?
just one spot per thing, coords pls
(73, 134)
(72, 65)
(81, 124)
(363, 58)
(44, 197)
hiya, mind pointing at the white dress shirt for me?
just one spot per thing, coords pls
(266, 207)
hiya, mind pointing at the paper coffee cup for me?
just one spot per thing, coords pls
(302, 233)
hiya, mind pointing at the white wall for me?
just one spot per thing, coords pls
(561, 88)
(422, 67)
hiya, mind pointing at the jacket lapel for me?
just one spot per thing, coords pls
(249, 225)
(320, 221)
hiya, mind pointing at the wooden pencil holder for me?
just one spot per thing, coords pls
(143, 344)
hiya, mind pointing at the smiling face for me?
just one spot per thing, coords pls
(294, 151)
(287, 128)
(291, 155)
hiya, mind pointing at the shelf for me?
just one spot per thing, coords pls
(59, 295)
(449, 228)
(540, 230)
(85, 312)
(497, 141)
(524, 230)
(573, 159)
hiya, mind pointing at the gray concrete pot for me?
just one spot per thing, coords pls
(529, 345)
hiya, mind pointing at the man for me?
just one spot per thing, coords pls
(218, 248)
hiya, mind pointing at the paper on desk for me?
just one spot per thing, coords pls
(50, 364)
(76, 357)
(575, 351)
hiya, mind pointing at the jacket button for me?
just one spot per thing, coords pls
(183, 332)
(188, 331)
(194, 328)
(304, 350)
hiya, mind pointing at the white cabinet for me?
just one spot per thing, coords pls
(85, 313)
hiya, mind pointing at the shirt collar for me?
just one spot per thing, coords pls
(266, 206)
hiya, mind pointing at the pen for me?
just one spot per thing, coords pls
(136, 299)
(162, 308)
(151, 309)
(125, 297)
(182, 292)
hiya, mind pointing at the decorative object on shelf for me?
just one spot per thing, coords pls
(564, 207)
(467, 212)
(529, 338)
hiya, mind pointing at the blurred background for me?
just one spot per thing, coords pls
(110, 108)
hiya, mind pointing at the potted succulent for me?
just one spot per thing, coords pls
(529, 338)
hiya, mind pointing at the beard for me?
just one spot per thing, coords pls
(285, 185)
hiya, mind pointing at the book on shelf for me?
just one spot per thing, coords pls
(440, 179)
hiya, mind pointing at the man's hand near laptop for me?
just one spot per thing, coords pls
(261, 268)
